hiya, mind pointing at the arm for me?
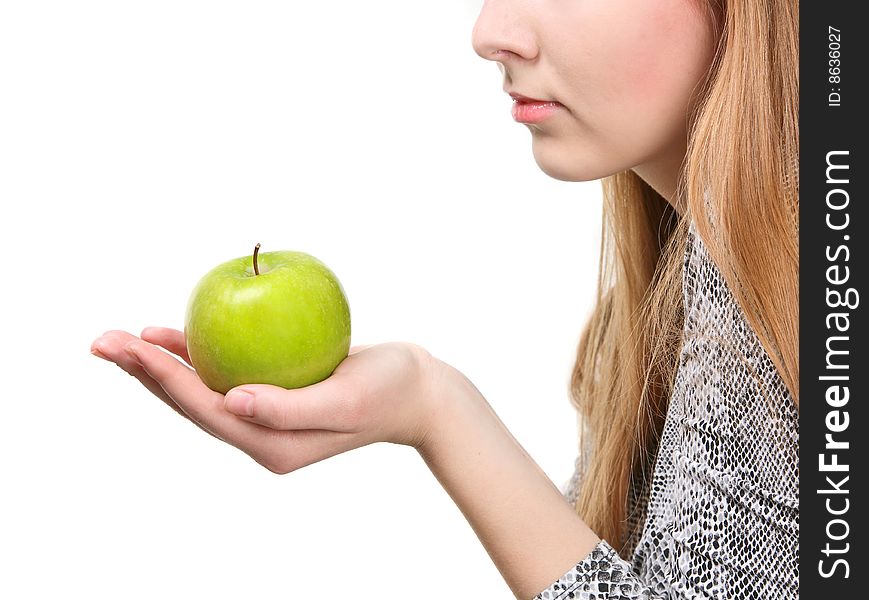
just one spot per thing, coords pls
(532, 535)
(398, 393)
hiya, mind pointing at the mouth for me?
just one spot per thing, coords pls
(525, 99)
(533, 110)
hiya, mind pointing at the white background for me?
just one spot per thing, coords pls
(142, 143)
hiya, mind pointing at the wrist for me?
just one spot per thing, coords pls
(447, 395)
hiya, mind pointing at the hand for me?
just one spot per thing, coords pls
(380, 392)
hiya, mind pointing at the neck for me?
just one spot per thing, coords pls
(662, 175)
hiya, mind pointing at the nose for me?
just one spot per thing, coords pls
(503, 33)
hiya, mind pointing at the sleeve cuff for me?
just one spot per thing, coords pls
(602, 575)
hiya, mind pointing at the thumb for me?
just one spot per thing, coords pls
(322, 405)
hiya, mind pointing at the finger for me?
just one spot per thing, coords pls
(279, 451)
(193, 400)
(204, 405)
(329, 405)
(359, 348)
(110, 347)
(171, 339)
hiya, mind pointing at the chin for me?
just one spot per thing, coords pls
(564, 165)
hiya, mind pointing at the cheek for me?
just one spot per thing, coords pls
(650, 56)
(627, 68)
(655, 60)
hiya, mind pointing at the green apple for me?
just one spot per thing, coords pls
(280, 318)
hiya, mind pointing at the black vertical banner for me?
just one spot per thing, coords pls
(834, 421)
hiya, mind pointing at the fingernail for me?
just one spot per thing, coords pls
(97, 350)
(239, 402)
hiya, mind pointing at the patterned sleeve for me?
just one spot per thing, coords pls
(602, 575)
(720, 514)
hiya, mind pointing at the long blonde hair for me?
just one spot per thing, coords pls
(739, 184)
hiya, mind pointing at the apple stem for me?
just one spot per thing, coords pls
(255, 252)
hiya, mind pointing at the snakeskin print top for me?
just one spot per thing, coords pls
(720, 518)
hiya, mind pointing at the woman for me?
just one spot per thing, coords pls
(686, 378)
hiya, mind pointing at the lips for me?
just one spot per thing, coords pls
(525, 99)
(532, 110)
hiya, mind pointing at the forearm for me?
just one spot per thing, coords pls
(530, 532)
